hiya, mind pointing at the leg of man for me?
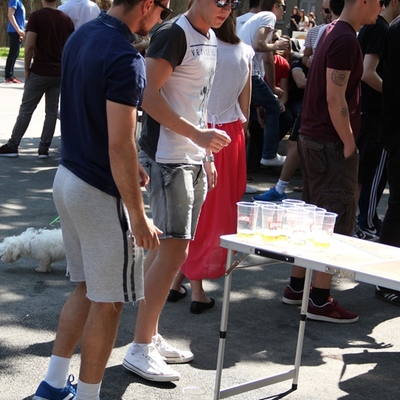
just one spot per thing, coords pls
(263, 96)
(166, 261)
(52, 96)
(13, 53)
(35, 87)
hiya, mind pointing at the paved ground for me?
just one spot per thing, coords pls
(358, 361)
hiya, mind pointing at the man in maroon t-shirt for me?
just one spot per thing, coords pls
(46, 33)
(329, 127)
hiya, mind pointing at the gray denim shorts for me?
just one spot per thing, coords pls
(176, 193)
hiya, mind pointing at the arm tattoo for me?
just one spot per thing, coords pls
(344, 112)
(340, 78)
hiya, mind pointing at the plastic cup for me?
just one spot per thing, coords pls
(322, 235)
(293, 202)
(258, 233)
(269, 232)
(299, 226)
(246, 219)
(193, 393)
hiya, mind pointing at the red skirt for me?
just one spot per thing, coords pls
(206, 258)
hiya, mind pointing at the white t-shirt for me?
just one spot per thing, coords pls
(247, 33)
(80, 11)
(193, 57)
(223, 105)
(243, 19)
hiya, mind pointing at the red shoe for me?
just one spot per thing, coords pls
(330, 312)
(12, 79)
(291, 296)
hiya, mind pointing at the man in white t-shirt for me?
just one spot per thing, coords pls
(176, 152)
(254, 9)
(80, 11)
(257, 32)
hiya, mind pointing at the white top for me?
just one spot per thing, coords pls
(80, 11)
(243, 19)
(247, 33)
(193, 57)
(231, 75)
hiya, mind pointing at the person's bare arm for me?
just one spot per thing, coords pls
(30, 45)
(370, 76)
(121, 121)
(336, 84)
(299, 78)
(284, 85)
(307, 53)
(245, 98)
(13, 22)
(262, 41)
(158, 71)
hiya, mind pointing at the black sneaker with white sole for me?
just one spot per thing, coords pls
(389, 295)
(7, 151)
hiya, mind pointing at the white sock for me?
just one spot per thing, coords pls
(281, 186)
(87, 391)
(57, 373)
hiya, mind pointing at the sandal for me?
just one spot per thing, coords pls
(176, 295)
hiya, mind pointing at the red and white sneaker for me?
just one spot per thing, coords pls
(330, 312)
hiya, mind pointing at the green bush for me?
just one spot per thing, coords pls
(4, 52)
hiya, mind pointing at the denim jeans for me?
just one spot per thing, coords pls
(35, 87)
(176, 193)
(13, 53)
(263, 96)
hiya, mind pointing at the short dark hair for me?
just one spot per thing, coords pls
(336, 6)
(128, 4)
(254, 3)
(267, 5)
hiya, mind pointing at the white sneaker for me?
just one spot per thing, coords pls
(171, 354)
(147, 362)
(250, 190)
(278, 160)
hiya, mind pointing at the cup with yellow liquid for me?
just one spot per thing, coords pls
(322, 235)
(269, 233)
(247, 213)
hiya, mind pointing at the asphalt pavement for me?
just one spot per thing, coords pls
(356, 361)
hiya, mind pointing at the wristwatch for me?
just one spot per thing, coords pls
(208, 158)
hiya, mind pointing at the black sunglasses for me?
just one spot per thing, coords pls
(281, 5)
(235, 4)
(166, 12)
(326, 10)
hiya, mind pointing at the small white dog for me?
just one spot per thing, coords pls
(43, 245)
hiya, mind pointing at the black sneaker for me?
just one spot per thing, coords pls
(389, 295)
(43, 154)
(7, 151)
(365, 234)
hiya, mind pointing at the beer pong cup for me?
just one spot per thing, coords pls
(247, 213)
(322, 235)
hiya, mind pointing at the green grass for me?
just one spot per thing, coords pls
(4, 52)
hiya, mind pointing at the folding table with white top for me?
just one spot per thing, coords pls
(352, 258)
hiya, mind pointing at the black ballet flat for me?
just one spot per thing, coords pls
(176, 295)
(197, 307)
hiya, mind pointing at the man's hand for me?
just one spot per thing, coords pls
(212, 174)
(144, 179)
(281, 44)
(212, 140)
(277, 91)
(145, 233)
